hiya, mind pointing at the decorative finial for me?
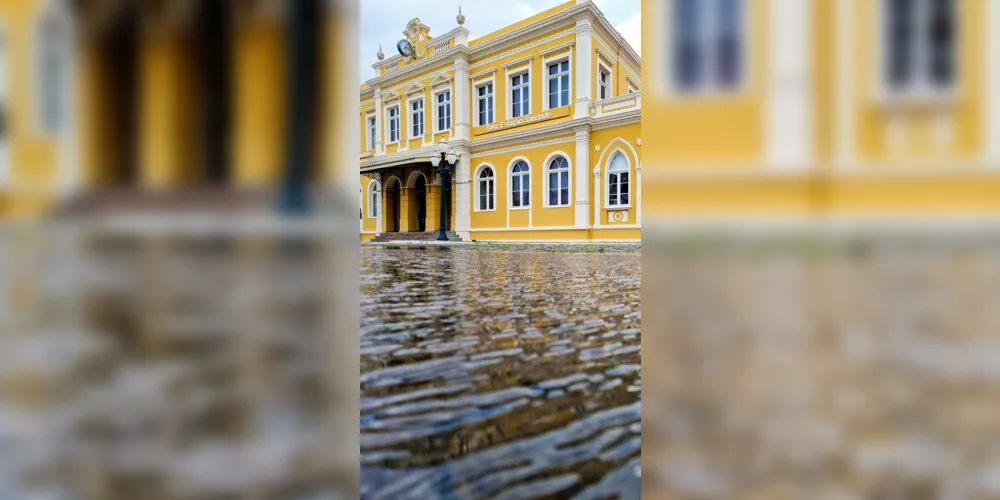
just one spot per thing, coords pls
(380, 54)
(460, 18)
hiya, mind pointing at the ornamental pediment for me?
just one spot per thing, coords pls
(440, 79)
(414, 89)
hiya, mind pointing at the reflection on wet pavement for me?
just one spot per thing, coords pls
(501, 374)
(822, 367)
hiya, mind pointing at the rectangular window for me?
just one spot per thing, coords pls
(486, 188)
(417, 118)
(559, 188)
(603, 83)
(372, 132)
(919, 44)
(444, 111)
(707, 44)
(52, 47)
(484, 103)
(394, 124)
(558, 78)
(520, 91)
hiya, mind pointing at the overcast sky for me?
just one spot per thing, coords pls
(382, 21)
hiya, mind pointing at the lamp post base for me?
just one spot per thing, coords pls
(442, 235)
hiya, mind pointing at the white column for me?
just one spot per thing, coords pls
(790, 99)
(993, 84)
(598, 201)
(581, 175)
(463, 193)
(463, 113)
(638, 194)
(844, 103)
(379, 143)
(379, 221)
(583, 67)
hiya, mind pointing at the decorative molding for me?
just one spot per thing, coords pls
(483, 74)
(557, 49)
(517, 62)
(389, 96)
(522, 147)
(439, 80)
(413, 89)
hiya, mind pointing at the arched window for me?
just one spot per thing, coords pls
(559, 182)
(618, 180)
(373, 200)
(487, 185)
(520, 184)
(53, 46)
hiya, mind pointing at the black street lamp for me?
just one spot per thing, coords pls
(444, 165)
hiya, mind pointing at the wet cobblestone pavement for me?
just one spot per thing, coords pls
(500, 374)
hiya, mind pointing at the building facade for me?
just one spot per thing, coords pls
(543, 116)
(866, 109)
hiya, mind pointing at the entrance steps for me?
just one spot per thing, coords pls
(414, 236)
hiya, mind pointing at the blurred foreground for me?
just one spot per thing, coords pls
(822, 366)
(168, 363)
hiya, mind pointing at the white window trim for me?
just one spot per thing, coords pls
(374, 187)
(710, 90)
(476, 190)
(58, 10)
(607, 181)
(545, 179)
(511, 73)
(371, 124)
(597, 80)
(388, 124)
(921, 92)
(475, 98)
(409, 109)
(510, 184)
(451, 102)
(546, 62)
(631, 85)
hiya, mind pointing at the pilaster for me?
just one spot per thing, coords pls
(463, 114)
(790, 101)
(379, 143)
(584, 67)
(992, 126)
(463, 192)
(581, 188)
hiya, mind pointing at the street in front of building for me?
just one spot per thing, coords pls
(500, 372)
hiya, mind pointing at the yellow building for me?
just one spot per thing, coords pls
(542, 115)
(859, 109)
(133, 102)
